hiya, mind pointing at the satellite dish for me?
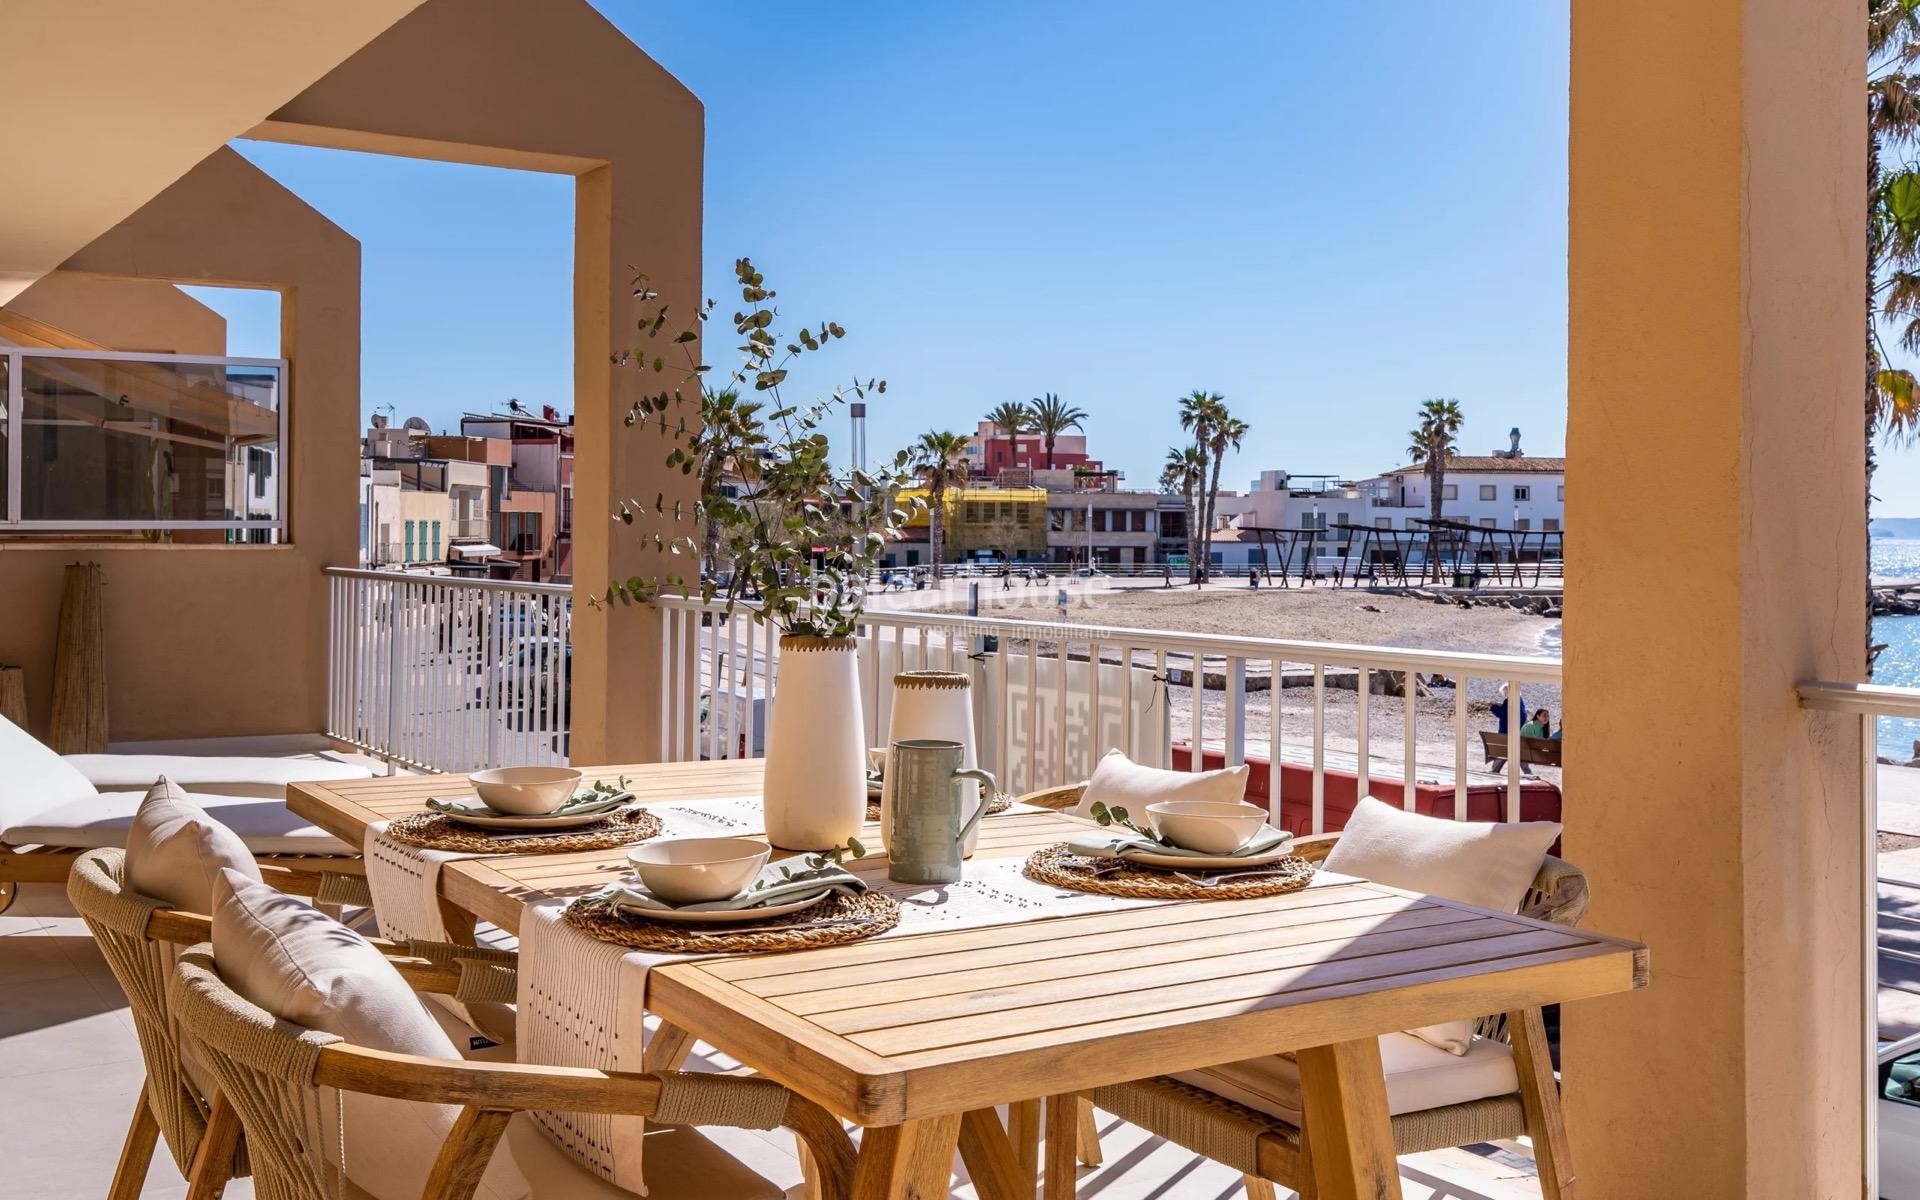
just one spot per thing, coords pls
(379, 420)
(418, 423)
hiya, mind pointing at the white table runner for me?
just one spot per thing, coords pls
(582, 1002)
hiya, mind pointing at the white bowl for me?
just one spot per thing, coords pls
(693, 870)
(525, 791)
(1206, 826)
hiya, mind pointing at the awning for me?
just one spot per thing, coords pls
(474, 549)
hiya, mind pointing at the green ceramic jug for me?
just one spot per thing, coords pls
(929, 830)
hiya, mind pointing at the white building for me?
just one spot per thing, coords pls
(1506, 490)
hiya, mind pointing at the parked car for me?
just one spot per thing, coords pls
(1899, 1118)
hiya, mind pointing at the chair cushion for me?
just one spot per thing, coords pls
(1484, 863)
(174, 850)
(84, 822)
(34, 778)
(1119, 781)
(267, 777)
(305, 967)
(1419, 1076)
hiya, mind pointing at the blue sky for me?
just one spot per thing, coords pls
(1325, 212)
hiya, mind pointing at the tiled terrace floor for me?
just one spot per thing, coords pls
(70, 1069)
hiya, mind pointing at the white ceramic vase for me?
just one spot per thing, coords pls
(936, 705)
(816, 772)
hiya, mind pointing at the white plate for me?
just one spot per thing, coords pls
(1206, 862)
(732, 916)
(549, 821)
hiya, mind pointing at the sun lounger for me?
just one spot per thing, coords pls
(52, 807)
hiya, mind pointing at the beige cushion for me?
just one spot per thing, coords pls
(1119, 781)
(1419, 1076)
(1483, 863)
(303, 966)
(33, 778)
(174, 850)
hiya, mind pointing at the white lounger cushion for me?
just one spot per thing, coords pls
(34, 778)
(266, 777)
(103, 820)
(1419, 1076)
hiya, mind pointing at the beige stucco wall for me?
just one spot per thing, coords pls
(124, 314)
(1716, 257)
(122, 97)
(551, 85)
(206, 641)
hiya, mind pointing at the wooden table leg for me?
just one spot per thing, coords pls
(991, 1161)
(1023, 1129)
(1540, 1097)
(667, 1049)
(913, 1161)
(1344, 1101)
(1062, 1163)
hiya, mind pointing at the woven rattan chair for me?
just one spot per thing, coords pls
(272, 1072)
(138, 936)
(1269, 1151)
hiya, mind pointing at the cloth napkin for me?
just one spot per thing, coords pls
(585, 802)
(1111, 840)
(777, 883)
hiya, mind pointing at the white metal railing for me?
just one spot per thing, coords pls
(1041, 726)
(448, 674)
(1870, 704)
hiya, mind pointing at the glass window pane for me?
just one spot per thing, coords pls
(115, 440)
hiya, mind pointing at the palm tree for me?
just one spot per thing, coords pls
(1012, 419)
(1893, 231)
(1431, 444)
(940, 459)
(1225, 434)
(1049, 416)
(1183, 471)
(1200, 412)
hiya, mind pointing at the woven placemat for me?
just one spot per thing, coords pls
(838, 919)
(1061, 867)
(437, 831)
(1000, 803)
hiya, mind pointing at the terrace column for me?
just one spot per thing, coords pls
(1716, 558)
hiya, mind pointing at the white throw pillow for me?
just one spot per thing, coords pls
(1482, 863)
(174, 850)
(33, 778)
(303, 966)
(1119, 781)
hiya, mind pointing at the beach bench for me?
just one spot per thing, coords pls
(1534, 751)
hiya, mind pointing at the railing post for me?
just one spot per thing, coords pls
(393, 671)
(490, 713)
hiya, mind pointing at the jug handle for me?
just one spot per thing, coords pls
(988, 787)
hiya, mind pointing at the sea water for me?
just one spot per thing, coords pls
(1899, 664)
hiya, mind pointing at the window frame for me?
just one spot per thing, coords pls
(1523, 493)
(1489, 491)
(10, 504)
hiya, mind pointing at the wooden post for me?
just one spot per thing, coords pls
(79, 721)
(13, 695)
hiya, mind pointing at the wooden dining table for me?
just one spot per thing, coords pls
(918, 1037)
